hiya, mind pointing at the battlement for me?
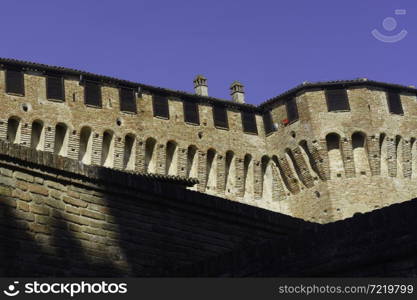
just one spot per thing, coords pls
(321, 151)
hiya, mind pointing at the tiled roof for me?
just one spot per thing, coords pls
(211, 100)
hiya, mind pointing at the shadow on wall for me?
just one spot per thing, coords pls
(21, 254)
(59, 217)
(155, 238)
(150, 233)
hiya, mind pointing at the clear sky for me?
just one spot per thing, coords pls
(270, 46)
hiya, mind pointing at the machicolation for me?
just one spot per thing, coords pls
(321, 151)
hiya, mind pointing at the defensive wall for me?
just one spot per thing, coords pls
(321, 151)
(60, 217)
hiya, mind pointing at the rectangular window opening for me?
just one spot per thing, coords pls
(249, 122)
(220, 117)
(92, 94)
(191, 114)
(292, 110)
(160, 107)
(55, 87)
(268, 123)
(127, 100)
(394, 103)
(337, 100)
(15, 82)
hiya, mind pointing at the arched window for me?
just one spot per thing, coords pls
(13, 130)
(107, 150)
(335, 155)
(129, 153)
(37, 137)
(86, 145)
(171, 158)
(150, 155)
(61, 139)
(360, 153)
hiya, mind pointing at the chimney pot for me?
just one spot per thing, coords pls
(237, 92)
(200, 85)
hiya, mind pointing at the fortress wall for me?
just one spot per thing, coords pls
(350, 178)
(142, 126)
(381, 243)
(279, 172)
(62, 218)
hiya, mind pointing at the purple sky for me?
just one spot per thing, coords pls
(270, 46)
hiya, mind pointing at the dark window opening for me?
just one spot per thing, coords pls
(55, 87)
(292, 110)
(337, 100)
(220, 117)
(333, 141)
(191, 113)
(15, 82)
(160, 107)
(394, 103)
(127, 100)
(92, 94)
(268, 123)
(249, 122)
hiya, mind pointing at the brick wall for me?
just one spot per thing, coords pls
(63, 218)
(382, 243)
(350, 181)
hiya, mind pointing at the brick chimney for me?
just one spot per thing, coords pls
(200, 85)
(236, 90)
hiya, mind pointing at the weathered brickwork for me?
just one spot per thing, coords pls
(343, 156)
(62, 218)
(374, 155)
